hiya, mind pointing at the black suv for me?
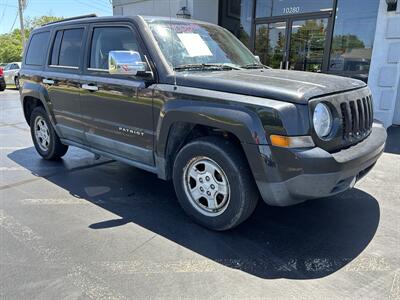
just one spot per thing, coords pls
(187, 101)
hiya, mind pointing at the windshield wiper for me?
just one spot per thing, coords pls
(253, 66)
(205, 67)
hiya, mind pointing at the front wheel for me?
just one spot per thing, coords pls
(214, 184)
(45, 139)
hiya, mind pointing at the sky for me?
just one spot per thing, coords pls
(59, 8)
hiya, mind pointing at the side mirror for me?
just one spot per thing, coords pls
(257, 58)
(125, 63)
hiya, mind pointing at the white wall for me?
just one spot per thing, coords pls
(205, 10)
(384, 76)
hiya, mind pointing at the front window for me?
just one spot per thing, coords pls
(185, 44)
(106, 39)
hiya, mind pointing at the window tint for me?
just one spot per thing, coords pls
(106, 39)
(37, 49)
(71, 48)
(56, 48)
(236, 16)
(353, 36)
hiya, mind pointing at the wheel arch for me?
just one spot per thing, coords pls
(33, 95)
(181, 122)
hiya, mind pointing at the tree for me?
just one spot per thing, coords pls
(11, 43)
(345, 43)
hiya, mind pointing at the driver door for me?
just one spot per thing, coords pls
(117, 110)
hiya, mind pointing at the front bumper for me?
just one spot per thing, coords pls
(293, 176)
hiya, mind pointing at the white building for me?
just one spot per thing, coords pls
(360, 38)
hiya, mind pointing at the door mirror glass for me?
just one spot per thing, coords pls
(125, 63)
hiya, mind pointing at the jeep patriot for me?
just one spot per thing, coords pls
(189, 102)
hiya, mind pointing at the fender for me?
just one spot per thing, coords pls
(36, 90)
(239, 121)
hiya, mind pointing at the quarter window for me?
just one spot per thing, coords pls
(67, 48)
(37, 49)
(106, 39)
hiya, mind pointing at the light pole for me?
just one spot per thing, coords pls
(21, 7)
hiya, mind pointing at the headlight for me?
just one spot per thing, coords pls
(322, 120)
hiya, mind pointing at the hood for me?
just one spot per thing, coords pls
(283, 85)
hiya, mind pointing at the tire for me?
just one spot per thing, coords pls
(2, 88)
(52, 149)
(236, 195)
(16, 81)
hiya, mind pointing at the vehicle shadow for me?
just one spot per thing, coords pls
(306, 241)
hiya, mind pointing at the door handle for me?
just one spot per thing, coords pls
(90, 87)
(48, 81)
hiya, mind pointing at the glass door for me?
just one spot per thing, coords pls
(307, 44)
(294, 42)
(270, 44)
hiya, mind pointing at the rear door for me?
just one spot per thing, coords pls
(117, 109)
(62, 79)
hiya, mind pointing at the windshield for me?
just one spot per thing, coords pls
(187, 45)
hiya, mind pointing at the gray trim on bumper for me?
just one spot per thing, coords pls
(324, 174)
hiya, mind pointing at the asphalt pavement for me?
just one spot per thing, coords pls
(87, 228)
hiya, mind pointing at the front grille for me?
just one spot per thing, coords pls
(357, 118)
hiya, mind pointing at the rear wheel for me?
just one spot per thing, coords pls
(214, 184)
(45, 139)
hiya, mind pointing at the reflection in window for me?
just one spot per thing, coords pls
(268, 8)
(70, 49)
(308, 44)
(353, 36)
(106, 39)
(237, 18)
(270, 44)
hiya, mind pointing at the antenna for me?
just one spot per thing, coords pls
(173, 44)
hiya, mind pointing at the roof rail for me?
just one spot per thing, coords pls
(73, 18)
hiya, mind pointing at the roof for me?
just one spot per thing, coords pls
(92, 18)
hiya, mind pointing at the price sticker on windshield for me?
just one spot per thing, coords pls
(194, 44)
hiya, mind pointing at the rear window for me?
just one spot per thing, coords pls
(37, 49)
(67, 48)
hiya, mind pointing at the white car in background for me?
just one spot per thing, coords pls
(11, 75)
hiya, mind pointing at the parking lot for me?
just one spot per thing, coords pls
(83, 228)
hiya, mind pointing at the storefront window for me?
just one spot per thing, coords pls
(237, 18)
(269, 8)
(270, 44)
(353, 36)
